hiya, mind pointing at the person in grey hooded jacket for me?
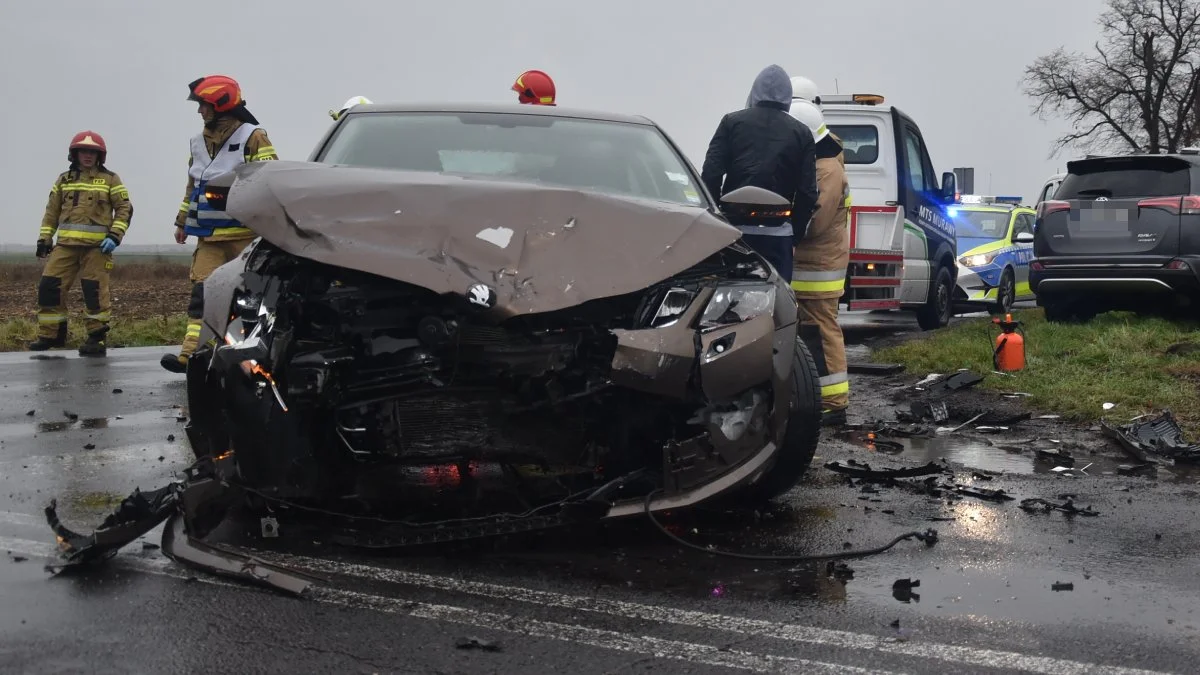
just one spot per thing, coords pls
(766, 147)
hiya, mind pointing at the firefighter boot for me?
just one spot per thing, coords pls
(833, 417)
(43, 343)
(58, 341)
(94, 345)
(173, 363)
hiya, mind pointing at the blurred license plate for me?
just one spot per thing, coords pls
(1104, 219)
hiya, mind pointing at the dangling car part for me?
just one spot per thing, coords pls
(546, 295)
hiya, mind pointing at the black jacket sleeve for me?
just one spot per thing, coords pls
(716, 160)
(806, 189)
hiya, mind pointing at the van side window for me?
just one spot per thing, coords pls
(912, 160)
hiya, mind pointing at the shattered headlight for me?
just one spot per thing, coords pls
(737, 304)
(673, 305)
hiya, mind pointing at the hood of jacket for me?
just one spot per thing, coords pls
(771, 86)
(535, 248)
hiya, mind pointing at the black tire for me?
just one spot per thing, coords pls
(938, 309)
(1006, 293)
(803, 431)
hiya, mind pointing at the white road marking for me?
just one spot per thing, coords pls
(669, 615)
(507, 623)
(752, 627)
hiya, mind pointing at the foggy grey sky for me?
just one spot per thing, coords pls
(121, 68)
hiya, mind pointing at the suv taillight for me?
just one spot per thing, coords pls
(1178, 265)
(1037, 266)
(1188, 205)
(1052, 206)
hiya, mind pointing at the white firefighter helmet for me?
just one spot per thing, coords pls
(350, 103)
(811, 116)
(804, 88)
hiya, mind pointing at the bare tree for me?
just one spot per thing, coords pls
(1139, 90)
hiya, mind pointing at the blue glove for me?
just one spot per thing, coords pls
(108, 245)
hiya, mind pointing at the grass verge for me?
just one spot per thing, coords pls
(1073, 369)
(163, 330)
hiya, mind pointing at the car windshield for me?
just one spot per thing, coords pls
(982, 224)
(616, 158)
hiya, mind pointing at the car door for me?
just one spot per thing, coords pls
(1022, 222)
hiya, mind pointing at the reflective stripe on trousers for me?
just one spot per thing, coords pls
(814, 281)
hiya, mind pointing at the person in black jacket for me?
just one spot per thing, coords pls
(766, 147)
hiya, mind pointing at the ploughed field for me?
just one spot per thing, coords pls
(140, 290)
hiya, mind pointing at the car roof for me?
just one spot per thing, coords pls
(1191, 159)
(508, 108)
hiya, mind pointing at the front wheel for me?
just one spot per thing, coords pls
(1006, 293)
(803, 430)
(936, 311)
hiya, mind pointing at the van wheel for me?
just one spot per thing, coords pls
(803, 431)
(1006, 293)
(937, 309)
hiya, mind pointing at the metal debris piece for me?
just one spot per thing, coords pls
(1062, 586)
(874, 368)
(838, 570)
(951, 430)
(902, 590)
(963, 379)
(270, 527)
(1062, 457)
(478, 643)
(31, 413)
(1136, 469)
(936, 412)
(996, 495)
(862, 470)
(1037, 504)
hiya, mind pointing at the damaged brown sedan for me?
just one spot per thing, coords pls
(545, 296)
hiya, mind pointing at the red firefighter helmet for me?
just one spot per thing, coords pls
(87, 140)
(221, 91)
(534, 86)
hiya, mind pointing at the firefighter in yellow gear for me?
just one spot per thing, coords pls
(90, 211)
(231, 137)
(819, 267)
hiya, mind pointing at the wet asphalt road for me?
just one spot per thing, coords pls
(615, 599)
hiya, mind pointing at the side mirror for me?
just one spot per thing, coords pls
(949, 187)
(752, 205)
(1023, 238)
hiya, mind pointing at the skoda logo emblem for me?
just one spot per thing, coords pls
(482, 295)
(1101, 199)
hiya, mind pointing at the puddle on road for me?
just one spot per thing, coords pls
(1003, 454)
(132, 420)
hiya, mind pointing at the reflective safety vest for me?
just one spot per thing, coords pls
(202, 220)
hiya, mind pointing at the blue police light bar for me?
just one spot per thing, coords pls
(1009, 200)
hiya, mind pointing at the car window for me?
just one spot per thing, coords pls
(991, 225)
(912, 159)
(1126, 177)
(610, 157)
(860, 142)
(1048, 191)
(1024, 224)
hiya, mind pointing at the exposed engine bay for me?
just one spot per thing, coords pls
(363, 374)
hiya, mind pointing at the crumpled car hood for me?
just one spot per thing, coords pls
(538, 248)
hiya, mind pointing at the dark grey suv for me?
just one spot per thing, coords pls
(1122, 233)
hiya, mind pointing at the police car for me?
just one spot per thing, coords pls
(995, 246)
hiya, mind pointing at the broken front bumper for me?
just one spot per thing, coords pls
(191, 508)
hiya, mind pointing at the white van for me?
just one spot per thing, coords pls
(902, 239)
